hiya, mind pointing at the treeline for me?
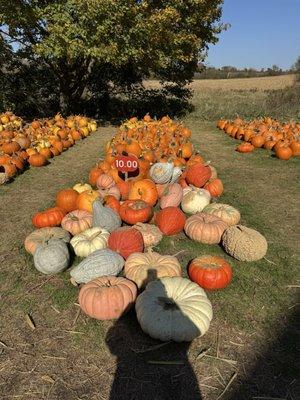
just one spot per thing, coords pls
(229, 72)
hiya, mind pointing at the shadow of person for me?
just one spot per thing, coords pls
(147, 368)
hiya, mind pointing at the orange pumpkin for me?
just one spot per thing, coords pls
(85, 200)
(257, 141)
(295, 147)
(37, 160)
(245, 147)
(94, 175)
(198, 174)
(144, 189)
(111, 202)
(133, 211)
(107, 297)
(215, 187)
(125, 241)
(50, 217)
(284, 153)
(170, 220)
(67, 199)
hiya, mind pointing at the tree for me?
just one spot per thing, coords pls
(87, 43)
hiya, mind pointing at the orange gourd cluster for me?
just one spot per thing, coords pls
(38, 141)
(268, 133)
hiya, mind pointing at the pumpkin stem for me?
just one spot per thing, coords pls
(167, 303)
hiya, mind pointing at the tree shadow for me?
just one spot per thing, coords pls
(147, 368)
(276, 372)
(138, 101)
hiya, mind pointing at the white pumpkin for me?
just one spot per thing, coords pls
(51, 257)
(82, 187)
(90, 240)
(194, 199)
(176, 174)
(161, 172)
(99, 263)
(174, 308)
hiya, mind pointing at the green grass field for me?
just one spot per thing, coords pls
(69, 356)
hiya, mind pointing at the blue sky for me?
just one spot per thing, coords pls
(262, 33)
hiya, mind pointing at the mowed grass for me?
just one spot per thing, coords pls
(259, 299)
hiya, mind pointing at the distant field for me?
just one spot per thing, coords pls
(263, 83)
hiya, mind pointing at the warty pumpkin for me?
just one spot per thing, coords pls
(244, 244)
(99, 263)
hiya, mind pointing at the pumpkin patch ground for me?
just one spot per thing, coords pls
(51, 349)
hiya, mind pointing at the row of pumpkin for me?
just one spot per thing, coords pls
(150, 208)
(270, 134)
(35, 143)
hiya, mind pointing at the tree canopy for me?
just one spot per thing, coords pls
(85, 45)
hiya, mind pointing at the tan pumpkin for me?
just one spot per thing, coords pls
(227, 213)
(151, 234)
(107, 297)
(42, 235)
(205, 228)
(143, 268)
(77, 221)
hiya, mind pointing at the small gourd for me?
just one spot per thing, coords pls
(105, 217)
(51, 257)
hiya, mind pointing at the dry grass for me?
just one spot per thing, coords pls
(263, 83)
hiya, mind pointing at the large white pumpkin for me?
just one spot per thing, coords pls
(90, 240)
(194, 199)
(174, 309)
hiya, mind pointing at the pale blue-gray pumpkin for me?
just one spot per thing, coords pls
(105, 217)
(51, 257)
(99, 263)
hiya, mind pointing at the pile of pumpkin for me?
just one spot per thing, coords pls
(268, 133)
(37, 142)
(88, 221)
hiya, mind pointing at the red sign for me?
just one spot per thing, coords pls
(126, 163)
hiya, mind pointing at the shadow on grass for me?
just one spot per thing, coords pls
(276, 371)
(172, 101)
(149, 369)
